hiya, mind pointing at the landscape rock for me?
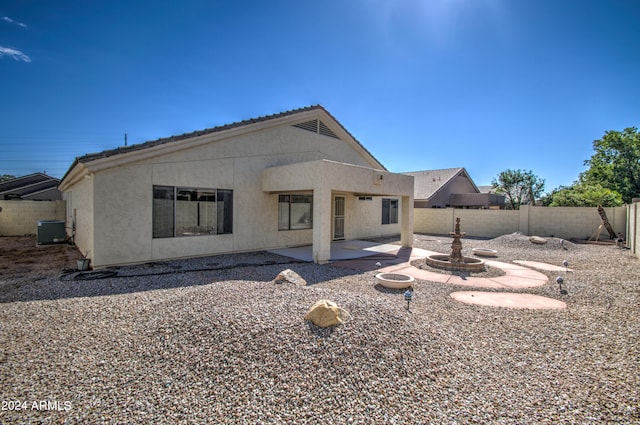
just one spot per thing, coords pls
(325, 313)
(289, 276)
(537, 240)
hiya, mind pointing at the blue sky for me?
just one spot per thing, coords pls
(422, 84)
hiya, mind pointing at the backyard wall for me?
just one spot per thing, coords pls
(633, 228)
(561, 222)
(18, 218)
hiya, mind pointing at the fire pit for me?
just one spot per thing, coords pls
(395, 280)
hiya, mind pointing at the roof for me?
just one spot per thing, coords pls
(245, 123)
(487, 189)
(428, 183)
(33, 186)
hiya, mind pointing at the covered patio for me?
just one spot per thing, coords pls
(328, 180)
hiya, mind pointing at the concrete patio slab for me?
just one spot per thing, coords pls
(508, 300)
(342, 250)
(389, 258)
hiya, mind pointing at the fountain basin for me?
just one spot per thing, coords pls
(468, 264)
(395, 280)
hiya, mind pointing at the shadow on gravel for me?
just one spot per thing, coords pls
(257, 267)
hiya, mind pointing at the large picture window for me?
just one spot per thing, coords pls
(295, 212)
(180, 211)
(389, 211)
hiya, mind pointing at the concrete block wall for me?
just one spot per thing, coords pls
(18, 218)
(481, 223)
(562, 222)
(488, 223)
(633, 228)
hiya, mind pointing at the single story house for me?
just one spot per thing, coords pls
(290, 179)
(32, 187)
(450, 188)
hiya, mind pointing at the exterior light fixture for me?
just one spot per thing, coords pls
(408, 295)
(560, 281)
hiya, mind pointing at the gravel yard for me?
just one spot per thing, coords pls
(214, 340)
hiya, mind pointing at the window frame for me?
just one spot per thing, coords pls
(172, 214)
(390, 213)
(288, 202)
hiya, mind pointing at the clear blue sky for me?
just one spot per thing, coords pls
(423, 84)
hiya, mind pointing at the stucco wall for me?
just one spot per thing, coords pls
(19, 218)
(79, 213)
(122, 196)
(459, 184)
(364, 218)
(562, 222)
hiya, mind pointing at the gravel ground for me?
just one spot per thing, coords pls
(214, 340)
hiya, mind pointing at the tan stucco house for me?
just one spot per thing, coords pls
(451, 188)
(289, 179)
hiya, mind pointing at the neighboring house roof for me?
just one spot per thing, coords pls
(245, 124)
(37, 186)
(486, 189)
(428, 183)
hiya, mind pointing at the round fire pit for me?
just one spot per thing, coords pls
(395, 280)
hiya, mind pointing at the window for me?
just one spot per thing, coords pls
(179, 211)
(389, 211)
(295, 212)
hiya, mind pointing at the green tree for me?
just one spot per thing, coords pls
(616, 163)
(584, 195)
(5, 177)
(519, 187)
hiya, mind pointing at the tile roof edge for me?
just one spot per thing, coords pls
(211, 130)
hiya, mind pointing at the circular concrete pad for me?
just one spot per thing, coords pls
(508, 300)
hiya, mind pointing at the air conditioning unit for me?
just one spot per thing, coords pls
(50, 232)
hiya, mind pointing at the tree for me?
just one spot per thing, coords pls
(616, 163)
(5, 177)
(519, 187)
(584, 195)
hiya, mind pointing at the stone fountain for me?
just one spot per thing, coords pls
(455, 261)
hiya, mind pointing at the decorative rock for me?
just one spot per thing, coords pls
(325, 313)
(484, 252)
(289, 276)
(537, 240)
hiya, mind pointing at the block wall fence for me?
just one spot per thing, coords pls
(633, 228)
(19, 218)
(561, 222)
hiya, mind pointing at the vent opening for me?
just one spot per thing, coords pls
(318, 127)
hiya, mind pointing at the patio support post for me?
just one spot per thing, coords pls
(406, 221)
(321, 225)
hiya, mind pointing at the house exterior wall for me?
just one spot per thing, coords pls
(364, 218)
(79, 213)
(562, 222)
(122, 196)
(459, 184)
(18, 218)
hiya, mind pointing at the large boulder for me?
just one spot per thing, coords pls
(289, 276)
(326, 313)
